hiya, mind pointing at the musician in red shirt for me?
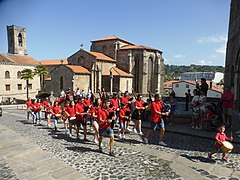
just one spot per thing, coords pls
(29, 107)
(123, 121)
(71, 116)
(39, 111)
(94, 117)
(126, 100)
(156, 119)
(65, 116)
(56, 112)
(104, 127)
(79, 109)
(138, 113)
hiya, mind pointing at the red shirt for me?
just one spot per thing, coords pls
(38, 106)
(48, 109)
(29, 104)
(56, 109)
(222, 137)
(70, 111)
(34, 107)
(86, 102)
(115, 103)
(126, 100)
(103, 114)
(228, 104)
(45, 103)
(79, 109)
(156, 106)
(93, 113)
(121, 114)
(138, 103)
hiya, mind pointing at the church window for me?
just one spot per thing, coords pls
(20, 39)
(187, 85)
(104, 49)
(177, 86)
(19, 75)
(7, 74)
(81, 60)
(19, 86)
(7, 87)
(29, 86)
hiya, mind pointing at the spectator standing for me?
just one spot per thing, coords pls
(187, 99)
(227, 105)
(203, 87)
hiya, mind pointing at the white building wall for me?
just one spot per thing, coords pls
(183, 87)
(13, 81)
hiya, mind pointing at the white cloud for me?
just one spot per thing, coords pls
(221, 50)
(203, 62)
(178, 56)
(213, 38)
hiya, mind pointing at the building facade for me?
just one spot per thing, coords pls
(146, 64)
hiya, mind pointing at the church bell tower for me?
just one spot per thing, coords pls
(16, 40)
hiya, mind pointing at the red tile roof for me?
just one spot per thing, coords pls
(111, 38)
(53, 62)
(24, 60)
(168, 84)
(78, 69)
(101, 56)
(117, 72)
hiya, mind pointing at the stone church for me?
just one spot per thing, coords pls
(12, 87)
(232, 65)
(113, 64)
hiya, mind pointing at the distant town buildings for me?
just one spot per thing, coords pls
(194, 76)
(180, 87)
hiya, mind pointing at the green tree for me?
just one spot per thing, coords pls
(27, 74)
(41, 71)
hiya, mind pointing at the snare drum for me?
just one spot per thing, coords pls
(58, 116)
(65, 115)
(227, 147)
(72, 118)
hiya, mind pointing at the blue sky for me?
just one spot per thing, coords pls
(187, 31)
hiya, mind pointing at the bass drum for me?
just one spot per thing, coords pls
(64, 115)
(227, 147)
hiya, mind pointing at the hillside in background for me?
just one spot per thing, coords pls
(174, 71)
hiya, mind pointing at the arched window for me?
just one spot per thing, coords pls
(7, 74)
(81, 60)
(104, 49)
(19, 75)
(20, 39)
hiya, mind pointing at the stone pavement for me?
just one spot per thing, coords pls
(22, 159)
(184, 158)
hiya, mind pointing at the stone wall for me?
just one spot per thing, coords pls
(107, 47)
(81, 81)
(54, 84)
(232, 65)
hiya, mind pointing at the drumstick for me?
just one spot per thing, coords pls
(231, 134)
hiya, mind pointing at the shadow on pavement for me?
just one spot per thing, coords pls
(198, 158)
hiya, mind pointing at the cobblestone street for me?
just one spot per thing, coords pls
(133, 160)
